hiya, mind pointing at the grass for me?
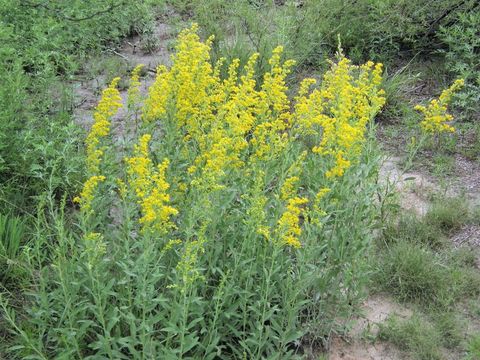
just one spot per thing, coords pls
(417, 262)
(449, 214)
(418, 265)
(413, 273)
(12, 238)
(416, 336)
(473, 350)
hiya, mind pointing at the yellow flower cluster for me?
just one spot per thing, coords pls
(234, 125)
(88, 192)
(339, 110)
(435, 114)
(289, 224)
(150, 187)
(108, 106)
(216, 115)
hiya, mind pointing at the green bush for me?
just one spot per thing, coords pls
(462, 42)
(310, 30)
(42, 45)
(230, 252)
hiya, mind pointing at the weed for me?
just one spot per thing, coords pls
(448, 214)
(414, 230)
(221, 227)
(413, 273)
(473, 351)
(12, 238)
(416, 336)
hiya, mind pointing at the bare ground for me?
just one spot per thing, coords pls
(376, 309)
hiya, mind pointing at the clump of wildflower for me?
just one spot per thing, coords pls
(107, 107)
(339, 111)
(88, 192)
(150, 186)
(435, 114)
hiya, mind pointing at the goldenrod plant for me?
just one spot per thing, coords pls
(236, 226)
(435, 122)
(436, 118)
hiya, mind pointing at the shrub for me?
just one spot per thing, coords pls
(462, 47)
(236, 226)
(378, 30)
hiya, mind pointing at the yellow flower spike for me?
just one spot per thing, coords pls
(435, 115)
(95, 248)
(187, 267)
(289, 187)
(155, 105)
(88, 192)
(170, 244)
(122, 188)
(151, 188)
(289, 224)
(321, 193)
(107, 107)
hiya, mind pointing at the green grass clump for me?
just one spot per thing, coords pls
(449, 326)
(413, 230)
(473, 350)
(412, 273)
(448, 214)
(420, 339)
(12, 232)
